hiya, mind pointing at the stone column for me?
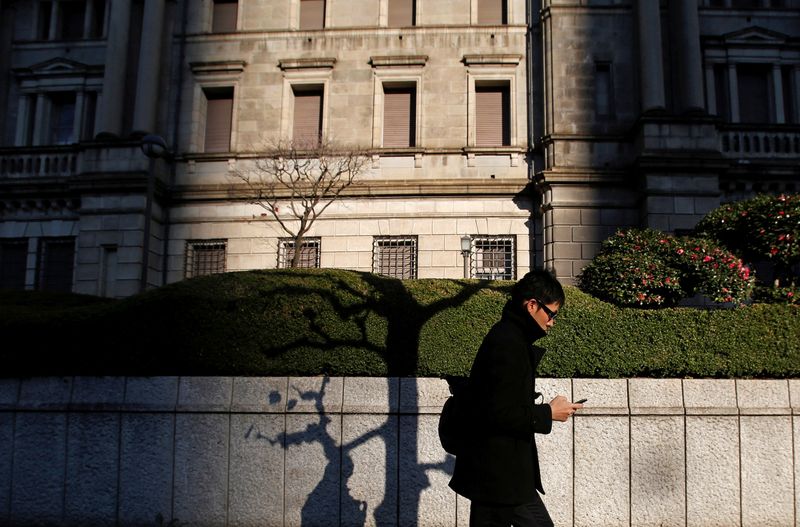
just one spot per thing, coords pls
(147, 80)
(77, 121)
(53, 21)
(88, 17)
(711, 89)
(733, 92)
(651, 84)
(23, 118)
(777, 83)
(689, 69)
(110, 111)
(796, 83)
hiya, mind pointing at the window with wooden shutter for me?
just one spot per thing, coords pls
(13, 263)
(219, 112)
(492, 12)
(307, 126)
(399, 117)
(312, 14)
(492, 116)
(56, 264)
(402, 13)
(224, 16)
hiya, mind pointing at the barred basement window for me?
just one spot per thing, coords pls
(309, 253)
(56, 264)
(205, 257)
(395, 256)
(492, 258)
(13, 263)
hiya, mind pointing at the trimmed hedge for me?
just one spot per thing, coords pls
(310, 322)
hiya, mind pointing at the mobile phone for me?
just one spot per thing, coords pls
(581, 401)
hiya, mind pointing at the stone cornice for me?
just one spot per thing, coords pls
(313, 63)
(218, 66)
(393, 61)
(500, 59)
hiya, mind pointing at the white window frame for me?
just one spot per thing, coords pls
(304, 73)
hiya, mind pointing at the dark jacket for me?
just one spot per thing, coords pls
(498, 462)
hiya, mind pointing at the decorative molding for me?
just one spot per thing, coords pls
(218, 66)
(301, 64)
(394, 61)
(492, 60)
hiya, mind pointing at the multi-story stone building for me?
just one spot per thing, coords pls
(528, 131)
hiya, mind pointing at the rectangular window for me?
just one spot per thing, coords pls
(307, 126)
(204, 257)
(98, 19)
(492, 258)
(108, 273)
(721, 91)
(603, 90)
(789, 110)
(402, 13)
(219, 113)
(309, 253)
(492, 115)
(56, 263)
(30, 123)
(395, 256)
(71, 16)
(45, 19)
(492, 12)
(754, 92)
(312, 14)
(224, 16)
(62, 118)
(399, 116)
(13, 263)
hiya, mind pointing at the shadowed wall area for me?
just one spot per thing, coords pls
(320, 451)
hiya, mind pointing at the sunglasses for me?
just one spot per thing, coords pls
(547, 311)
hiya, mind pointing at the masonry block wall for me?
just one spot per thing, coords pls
(364, 451)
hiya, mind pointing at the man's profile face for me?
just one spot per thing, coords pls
(543, 314)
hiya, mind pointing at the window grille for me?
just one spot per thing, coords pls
(493, 257)
(309, 253)
(204, 257)
(13, 263)
(56, 264)
(395, 256)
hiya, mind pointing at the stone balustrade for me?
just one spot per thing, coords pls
(364, 451)
(759, 143)
(50, 162)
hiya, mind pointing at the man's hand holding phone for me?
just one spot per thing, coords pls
(562, 409)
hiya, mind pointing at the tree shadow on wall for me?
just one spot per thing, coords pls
(405, 318)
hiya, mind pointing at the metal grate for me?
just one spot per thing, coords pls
(493, 257)
(56, 263)
(204, 257)
(395, 256)
(309, 253)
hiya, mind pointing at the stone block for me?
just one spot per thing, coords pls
(422, 395)
(710, 396)
(97, 393)
(656, 396)
(259, 394)
(201, 469)
(763, 397)
(712, 470)
(313, 469)
(684, 205)
(660, 204)
(555, 455)
(256, 469)
(605, 396)
(767, 478)
(794, 395)
(37, 493)
(602, 477)
(6, 456)
(92, 469)
(463, 508)
(151, 393)
(45, 393)
(146, 461)
(315, 395)
(425, 471)
(369, 470)
(205, 394)
(657, 469)
(567, 250)
(9, 393)
(370, 395)
(563, 216)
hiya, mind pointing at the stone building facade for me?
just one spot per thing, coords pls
(529, 130)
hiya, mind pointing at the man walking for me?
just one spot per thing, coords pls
(498, 467)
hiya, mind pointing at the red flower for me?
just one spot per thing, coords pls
(680, 251)
(790, 294)
(781, 213)
(773, 251)
(707, 259)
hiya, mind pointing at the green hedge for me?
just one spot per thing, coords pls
(309, 322)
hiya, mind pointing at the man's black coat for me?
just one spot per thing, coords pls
(498, 462)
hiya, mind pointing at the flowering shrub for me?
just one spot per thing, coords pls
(647, 268)
(761, 228)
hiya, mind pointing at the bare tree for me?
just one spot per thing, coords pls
(294, 182)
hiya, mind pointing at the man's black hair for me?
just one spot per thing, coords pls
(539, 284)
